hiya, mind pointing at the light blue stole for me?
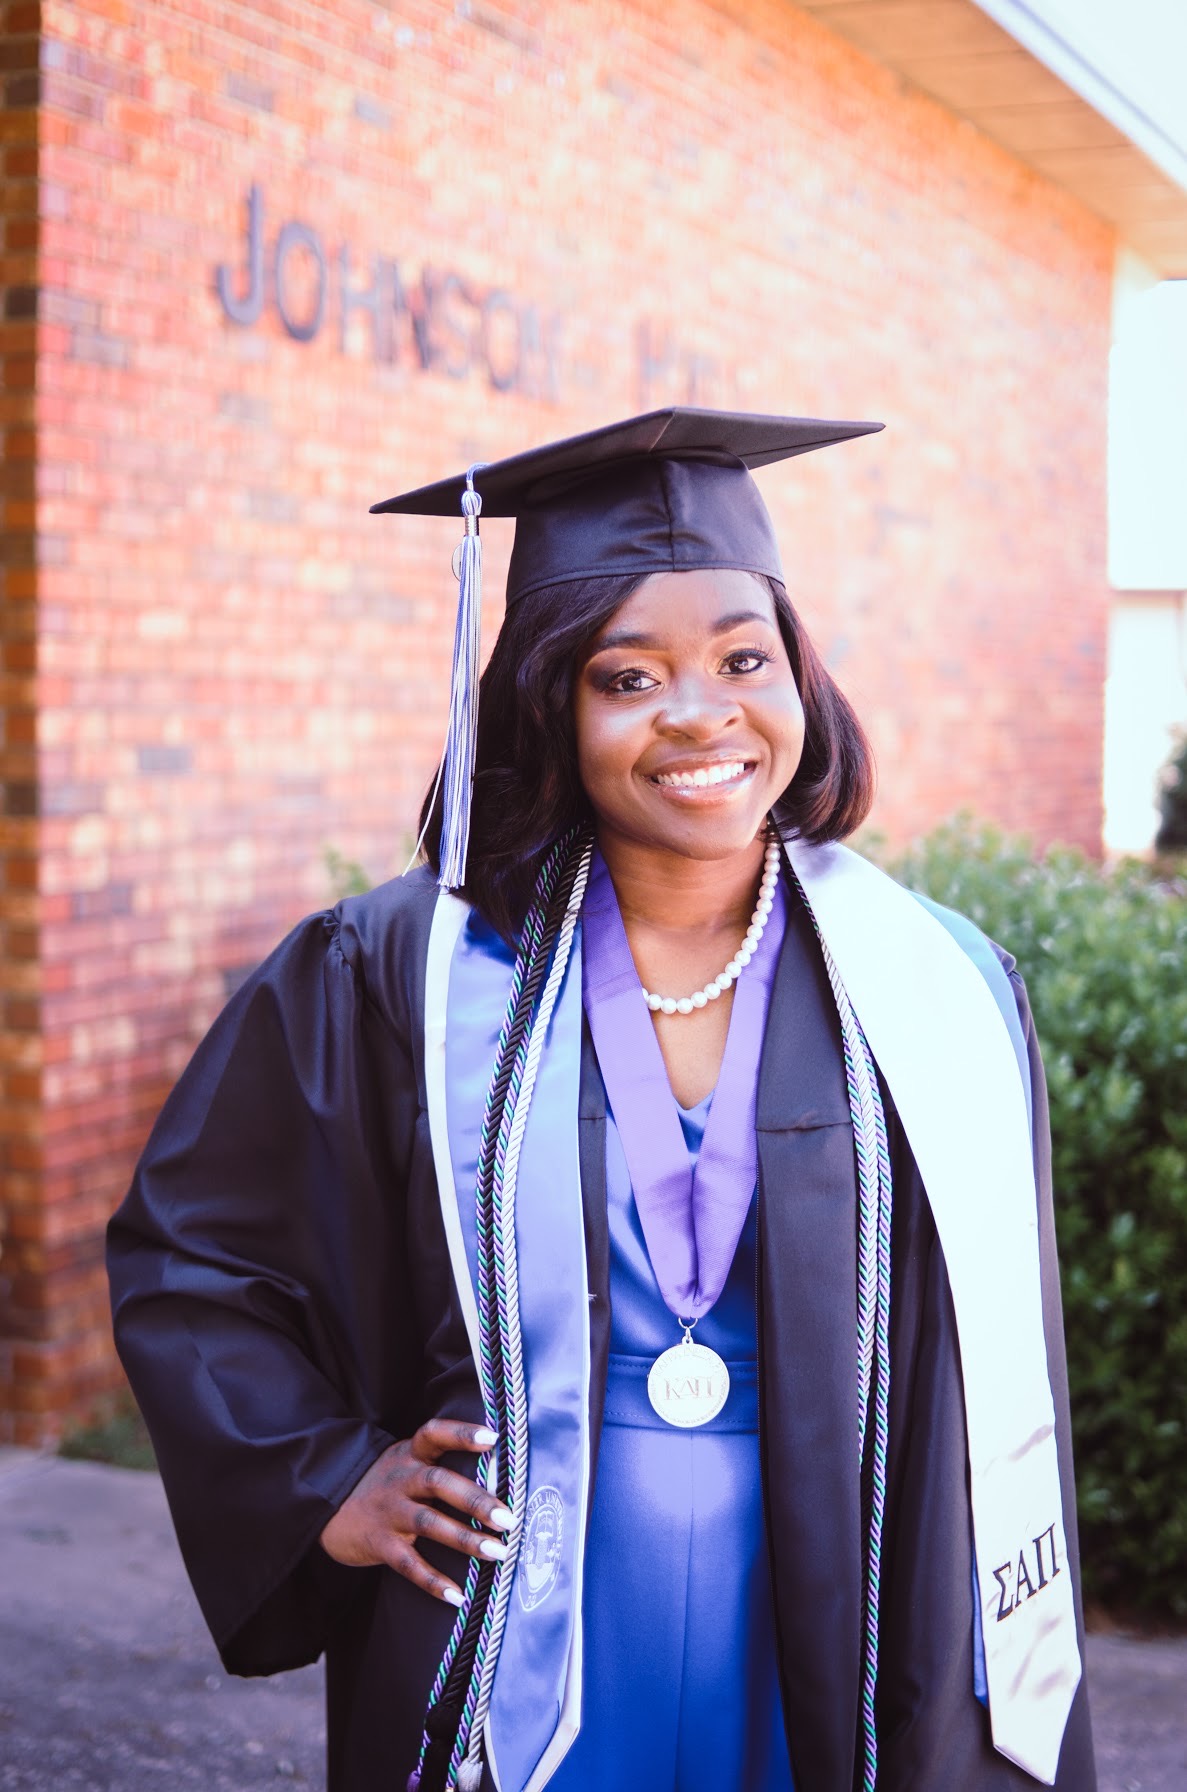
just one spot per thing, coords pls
(532, 1723)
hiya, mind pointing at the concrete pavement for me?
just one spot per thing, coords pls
(109, 1682)
(108, 1679)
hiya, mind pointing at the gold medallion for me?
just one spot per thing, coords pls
(688, 1384)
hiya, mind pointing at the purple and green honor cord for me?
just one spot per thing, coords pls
(451, 1754)
(875, 1209)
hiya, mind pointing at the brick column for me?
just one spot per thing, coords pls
(23, 1322)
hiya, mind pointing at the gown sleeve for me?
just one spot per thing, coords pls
(245, 1268)
(935, 1734)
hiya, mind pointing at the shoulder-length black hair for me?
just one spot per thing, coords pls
(526, 787)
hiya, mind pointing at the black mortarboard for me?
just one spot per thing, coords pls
(660, 493)
(667, 492)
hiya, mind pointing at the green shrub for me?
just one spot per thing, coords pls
(1104, 955)
(117, 1435)
(347, 877)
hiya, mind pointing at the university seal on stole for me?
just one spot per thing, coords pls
(540, 1550)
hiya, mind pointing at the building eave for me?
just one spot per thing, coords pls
(1003, 67)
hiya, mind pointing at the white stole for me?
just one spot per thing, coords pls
(940, 1042)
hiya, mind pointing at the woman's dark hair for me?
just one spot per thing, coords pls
(526, 787)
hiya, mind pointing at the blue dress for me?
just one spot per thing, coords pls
(681, 1689)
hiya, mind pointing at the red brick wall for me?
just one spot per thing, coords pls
(23, 1255)
(565, 212)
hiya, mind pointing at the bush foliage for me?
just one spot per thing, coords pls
(117, 1435)
(1104, 955)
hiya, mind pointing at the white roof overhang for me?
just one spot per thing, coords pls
(1010, 72)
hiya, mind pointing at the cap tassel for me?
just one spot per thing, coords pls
(462, 737)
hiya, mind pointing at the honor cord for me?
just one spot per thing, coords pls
(875, 1211)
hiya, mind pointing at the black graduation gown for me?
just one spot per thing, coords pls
(284, 1308)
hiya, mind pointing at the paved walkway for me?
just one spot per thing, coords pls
(109, 1682)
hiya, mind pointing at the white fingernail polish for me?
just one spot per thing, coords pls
(501, 1518)
(486, 1437)
(451, 1596)
(493, 1549)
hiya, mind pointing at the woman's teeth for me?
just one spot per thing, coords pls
(704, 774)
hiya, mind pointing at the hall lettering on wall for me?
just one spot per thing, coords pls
(433, 321)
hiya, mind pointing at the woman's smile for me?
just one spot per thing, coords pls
(705, 780)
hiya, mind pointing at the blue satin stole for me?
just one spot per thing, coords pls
(529, 1707)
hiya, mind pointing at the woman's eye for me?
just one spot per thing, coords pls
(748, 659)
(631, 682)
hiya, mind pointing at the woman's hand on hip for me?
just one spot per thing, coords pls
(395, 1505)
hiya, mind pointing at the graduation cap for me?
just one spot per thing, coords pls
(666, 492)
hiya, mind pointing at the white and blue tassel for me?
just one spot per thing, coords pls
(462, 736)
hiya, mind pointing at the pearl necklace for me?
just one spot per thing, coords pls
(737, 964)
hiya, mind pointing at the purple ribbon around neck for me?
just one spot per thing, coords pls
(691, 1220)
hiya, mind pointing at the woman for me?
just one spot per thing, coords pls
(408, 1278)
